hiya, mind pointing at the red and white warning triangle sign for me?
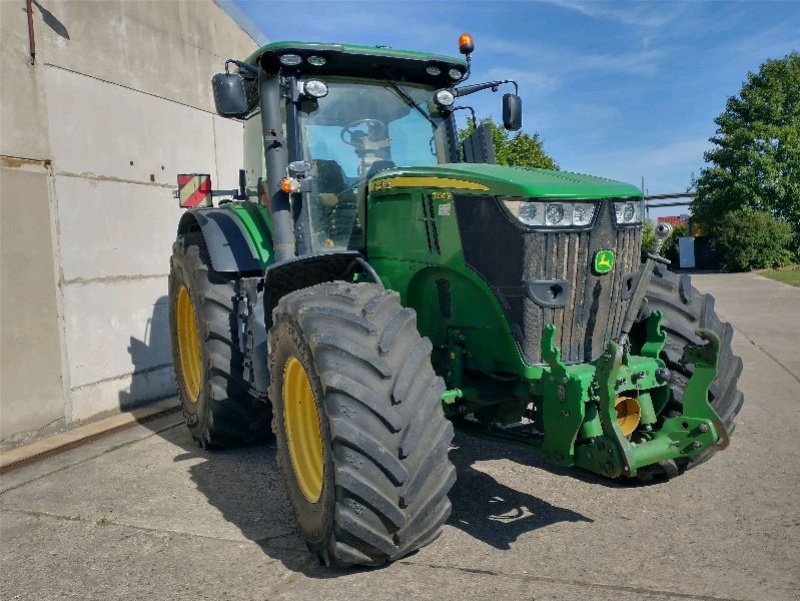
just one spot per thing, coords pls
(194, 190)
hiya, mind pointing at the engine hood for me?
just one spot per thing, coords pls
(504, 181)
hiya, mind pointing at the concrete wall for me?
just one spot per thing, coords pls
(117, 103)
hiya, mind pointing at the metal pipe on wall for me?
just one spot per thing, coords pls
(31, 38)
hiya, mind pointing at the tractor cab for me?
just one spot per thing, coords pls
(359, 128)
(348, 113)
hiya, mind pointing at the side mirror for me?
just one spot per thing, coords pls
(230, 96)
(512, 112)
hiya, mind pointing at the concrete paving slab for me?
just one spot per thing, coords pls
(150, 515)
(764, 311)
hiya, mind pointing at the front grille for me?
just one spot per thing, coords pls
(507, 256)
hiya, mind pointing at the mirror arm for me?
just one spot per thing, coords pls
(242, 65)
(471, 110)
(466, 90)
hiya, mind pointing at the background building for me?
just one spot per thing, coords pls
(92, 134)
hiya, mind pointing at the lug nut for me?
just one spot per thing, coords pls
(696, 444)
(703, 428)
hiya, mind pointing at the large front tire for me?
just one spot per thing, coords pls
(361, 437)
(219, 409)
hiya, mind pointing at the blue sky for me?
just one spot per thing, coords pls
(620, 90)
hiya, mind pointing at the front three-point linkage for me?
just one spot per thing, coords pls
(666, 438)
(586, 413)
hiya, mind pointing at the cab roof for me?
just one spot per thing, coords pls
(360, 61)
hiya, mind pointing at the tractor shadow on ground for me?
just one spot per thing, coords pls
(489, 511)
(245, 485)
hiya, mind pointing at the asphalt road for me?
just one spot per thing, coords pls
(145, 514)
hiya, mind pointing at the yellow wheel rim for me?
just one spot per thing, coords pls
(301, 424)
(188, 345)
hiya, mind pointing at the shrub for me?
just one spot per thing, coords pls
(747, 239)
(670, 248)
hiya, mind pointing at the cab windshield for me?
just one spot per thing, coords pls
(357, 130)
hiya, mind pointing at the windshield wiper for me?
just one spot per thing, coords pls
(408, 99)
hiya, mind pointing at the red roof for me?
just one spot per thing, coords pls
(672, 220)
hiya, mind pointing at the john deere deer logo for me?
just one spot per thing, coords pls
(603, 261)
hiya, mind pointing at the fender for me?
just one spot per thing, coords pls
(309, 270)
(226, 240)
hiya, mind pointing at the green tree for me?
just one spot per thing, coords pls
(519, 150)
(748, 239)
(756, 160)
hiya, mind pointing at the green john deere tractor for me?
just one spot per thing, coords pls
(373, 281)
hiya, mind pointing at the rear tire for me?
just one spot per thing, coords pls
(219, 408)
(685, 310)
(385, 472)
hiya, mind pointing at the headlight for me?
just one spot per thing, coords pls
(316, 61)
(550, 214)
(445, 98)
(315, 88)
(582, 214)
(554, 214)
(455, 74)
(628, 211)
(290, 60)
(433, 70)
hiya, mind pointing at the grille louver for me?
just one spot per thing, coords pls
(507, 256)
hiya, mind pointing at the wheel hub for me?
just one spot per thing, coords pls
(628, 414)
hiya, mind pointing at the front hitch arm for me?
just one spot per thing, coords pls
(695, 398)
(696, 429)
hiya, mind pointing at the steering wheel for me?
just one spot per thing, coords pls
(349, 129)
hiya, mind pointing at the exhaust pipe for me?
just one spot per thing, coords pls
(276, 160)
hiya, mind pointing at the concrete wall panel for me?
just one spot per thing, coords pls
(229, 153)
(111, 131)
(169, 49)
(23, 110)
(125, 392)
(116, 327)
(113, 229)
(31, 391)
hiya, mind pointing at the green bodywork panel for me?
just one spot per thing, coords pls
(255, 219)
(522, 181)
(353, 50)
(398, 248)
